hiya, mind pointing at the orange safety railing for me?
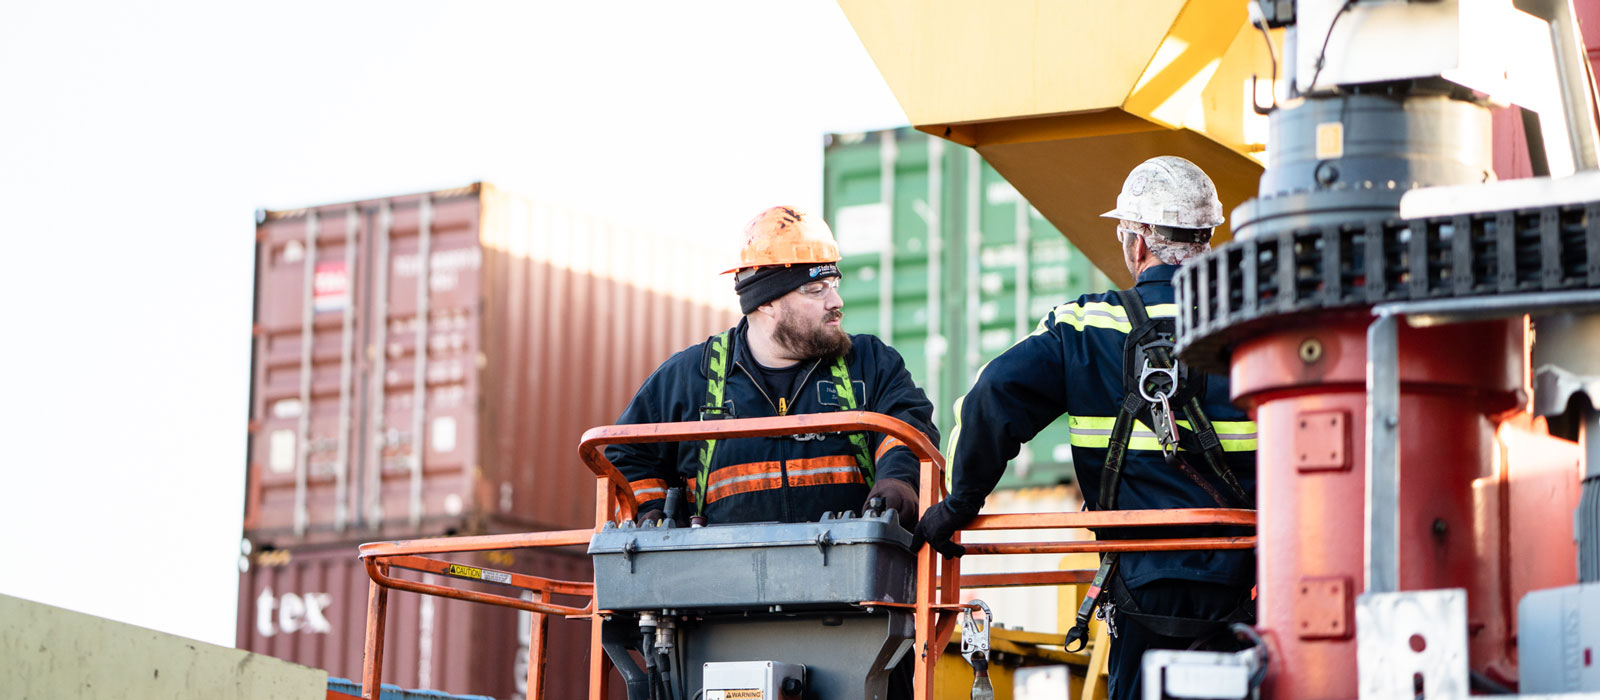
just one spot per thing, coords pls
(936, 606)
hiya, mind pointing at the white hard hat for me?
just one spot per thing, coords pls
(1169, 191)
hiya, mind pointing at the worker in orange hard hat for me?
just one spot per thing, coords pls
(1146, 432)
(788, 356)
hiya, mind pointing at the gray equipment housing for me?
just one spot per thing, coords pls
(740, 680)
(753, 566)
(1557, 631)
(790, 594)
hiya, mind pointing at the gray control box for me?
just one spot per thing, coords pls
(753, 680)
(1558, 630)
(754, 566)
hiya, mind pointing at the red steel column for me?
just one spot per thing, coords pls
(1307, 390)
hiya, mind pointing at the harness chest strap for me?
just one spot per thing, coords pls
(1205, 432)
(1111, 476)
(717, 382)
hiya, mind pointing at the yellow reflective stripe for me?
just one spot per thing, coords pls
(1100, 314)
(1095, 431)
(950, 449)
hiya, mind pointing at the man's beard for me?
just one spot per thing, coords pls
(807, 342)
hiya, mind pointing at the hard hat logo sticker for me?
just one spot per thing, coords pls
(1136, 185)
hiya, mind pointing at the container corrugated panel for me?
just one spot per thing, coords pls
(309, 606)
(944, 260)
(539, 323)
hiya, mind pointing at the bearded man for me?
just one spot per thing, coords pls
(788, 356)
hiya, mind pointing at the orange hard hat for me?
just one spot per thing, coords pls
(786, 236)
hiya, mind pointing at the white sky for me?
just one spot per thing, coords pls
(138, 138)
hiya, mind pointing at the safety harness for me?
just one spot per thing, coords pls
(1154, 383)
(719, 357)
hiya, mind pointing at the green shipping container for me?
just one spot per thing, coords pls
(945, 261)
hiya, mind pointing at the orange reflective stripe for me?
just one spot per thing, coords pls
(743, 478)
(822, 471)
(648, 489)
(764, 476)
(888, 443)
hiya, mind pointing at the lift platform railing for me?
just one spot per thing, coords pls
(939, 581)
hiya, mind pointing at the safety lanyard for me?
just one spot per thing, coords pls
(1157, 358)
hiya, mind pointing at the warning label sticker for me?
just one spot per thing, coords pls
(464, 571)
(477, 573)
(736, 694)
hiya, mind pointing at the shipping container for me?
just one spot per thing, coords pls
(309, 606)
(382, 407)
(944, 260)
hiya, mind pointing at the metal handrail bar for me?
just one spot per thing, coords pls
(388, 581)
(1073, 546)
(939, 582)
(380, 557)
(477, 543)
(1115, 518)
(1028, 578)
(490, 576)
(589, 447)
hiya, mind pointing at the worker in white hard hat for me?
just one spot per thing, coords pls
(1145, 432)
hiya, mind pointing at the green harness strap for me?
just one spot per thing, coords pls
(847, 400)
(717, 382)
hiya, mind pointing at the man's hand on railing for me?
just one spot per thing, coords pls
(938, 525)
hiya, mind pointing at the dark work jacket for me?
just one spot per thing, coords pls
(1072, 364)
(786, 479)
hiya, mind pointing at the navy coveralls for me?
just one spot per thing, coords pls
(1072, 364)
(786, 479)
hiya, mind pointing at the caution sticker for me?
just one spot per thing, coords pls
(736, 694)
(473, 572)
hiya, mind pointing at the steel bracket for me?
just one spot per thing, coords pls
(1403, 639)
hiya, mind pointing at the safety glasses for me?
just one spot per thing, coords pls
(820, 288)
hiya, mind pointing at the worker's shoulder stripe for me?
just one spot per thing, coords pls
(1095, 431)
(1100, 314)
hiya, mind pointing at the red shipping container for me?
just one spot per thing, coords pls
(539, 323)
(309, 606)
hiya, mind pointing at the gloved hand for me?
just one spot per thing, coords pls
(652, 515)
(896, 494)
(938, 525)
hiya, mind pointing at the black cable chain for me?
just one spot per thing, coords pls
(1362, 263)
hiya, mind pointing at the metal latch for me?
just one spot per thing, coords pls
(1157, 386)
(824, 541)
(975, 648)
(628, 550)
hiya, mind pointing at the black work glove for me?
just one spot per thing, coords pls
(938, 525)
(900, 496)
(652, 515)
